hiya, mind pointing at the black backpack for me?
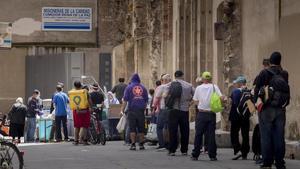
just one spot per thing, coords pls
(279, 90)
(242, 107)
(174, 94)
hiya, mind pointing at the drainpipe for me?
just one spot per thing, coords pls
(97, 23)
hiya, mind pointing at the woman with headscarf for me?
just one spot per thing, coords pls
(17, 116)
(111, 99)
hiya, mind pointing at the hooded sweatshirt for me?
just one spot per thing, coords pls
(136, 94)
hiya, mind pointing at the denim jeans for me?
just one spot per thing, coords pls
(31, 126)
(205, 124)
(272, 124)
(162, 123)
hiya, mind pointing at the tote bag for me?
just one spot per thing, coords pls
(215, 102)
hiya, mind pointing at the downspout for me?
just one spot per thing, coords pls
(97, 23)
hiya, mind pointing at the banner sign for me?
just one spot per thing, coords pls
(66, 19)
(5, 35)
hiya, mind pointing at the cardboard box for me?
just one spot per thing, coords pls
(114, 111)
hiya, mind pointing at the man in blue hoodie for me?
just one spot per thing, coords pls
(136, 97)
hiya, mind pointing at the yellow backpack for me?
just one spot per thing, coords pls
(78, 99)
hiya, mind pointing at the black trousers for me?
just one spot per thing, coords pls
(244, 126)
(53, 130)
(58, 121)
(179, 119)
(205, 125)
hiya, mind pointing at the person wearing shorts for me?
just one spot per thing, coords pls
(136, 96)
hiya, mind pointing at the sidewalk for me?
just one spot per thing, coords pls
(117, 156)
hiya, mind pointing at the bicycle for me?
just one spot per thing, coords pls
(10, 155)
(97, 132)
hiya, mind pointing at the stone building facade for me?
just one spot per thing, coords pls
(226, 37)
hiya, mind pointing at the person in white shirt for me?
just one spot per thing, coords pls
(162, 113)
(205, 118)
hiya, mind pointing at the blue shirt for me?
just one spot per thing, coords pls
(235, 97)
(61, 101)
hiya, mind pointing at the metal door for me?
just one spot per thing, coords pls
(105, 69)
(44, 71)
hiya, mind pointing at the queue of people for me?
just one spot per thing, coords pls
(269, 97)
(169, 102)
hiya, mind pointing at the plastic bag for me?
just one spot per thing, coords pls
(215, 103)
(152, 132)
(122, 123)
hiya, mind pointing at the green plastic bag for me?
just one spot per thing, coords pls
(215, 102)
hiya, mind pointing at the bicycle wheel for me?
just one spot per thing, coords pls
(102, 136)
(92, 135)
(10, 156)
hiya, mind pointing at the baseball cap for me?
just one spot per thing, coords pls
(240, 79)
(206, 75)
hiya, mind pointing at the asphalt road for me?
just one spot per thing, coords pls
(117, 156)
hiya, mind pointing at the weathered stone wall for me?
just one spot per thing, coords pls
(112, 18)
(268, 26)
(290, 47)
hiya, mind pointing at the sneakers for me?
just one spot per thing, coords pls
(259, 161)
(171, 154)
(75, 143)
(184, 154)
(237, 157)
(161, 149)
(85, 143)
(132, 147)
(265, 167)
(213, 159)
(194, 158)
(142, 147)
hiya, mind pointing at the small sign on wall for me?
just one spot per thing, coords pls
(5, 35)
(219, 30)
(66, 19)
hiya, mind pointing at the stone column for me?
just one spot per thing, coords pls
(155, 18)
(232, 49)
(166, 64)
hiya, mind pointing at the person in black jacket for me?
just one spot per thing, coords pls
(97, 99)
(119, 89)
(272, 118)
(17, 116)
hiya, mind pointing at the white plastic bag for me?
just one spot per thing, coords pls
(121, 125)
(152, 132)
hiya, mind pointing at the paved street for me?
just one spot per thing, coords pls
(116, 156)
